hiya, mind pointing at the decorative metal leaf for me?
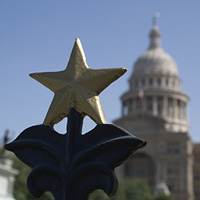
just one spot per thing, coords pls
(73, 165)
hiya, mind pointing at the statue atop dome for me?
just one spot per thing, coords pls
(157, 14)
(155, 33)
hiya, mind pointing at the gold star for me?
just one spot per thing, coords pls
(77, 86)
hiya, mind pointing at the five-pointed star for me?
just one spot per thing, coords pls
(77, 86)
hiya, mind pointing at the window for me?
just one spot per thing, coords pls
(140, 165)
(149, 105)
(136, 84)
(167, 82)
(143, 82)
(129, 169)
(197, 177)
(173, 148)
(160, 105)
(173, 169)
(170, 107)
(159, 81)
(134, 104)
(139, 103)
(150, 81)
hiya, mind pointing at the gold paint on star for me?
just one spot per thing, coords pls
(77, 86)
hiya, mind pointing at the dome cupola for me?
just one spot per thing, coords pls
(155, 61)
(155, 87)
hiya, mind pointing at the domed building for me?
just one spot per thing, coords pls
(155, 109)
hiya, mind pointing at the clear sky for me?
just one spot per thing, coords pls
(38, 36)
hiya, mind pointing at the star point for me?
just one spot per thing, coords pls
(77, 86)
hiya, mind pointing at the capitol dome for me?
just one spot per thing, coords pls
(155, 61)
(155, 87)
(155, 109)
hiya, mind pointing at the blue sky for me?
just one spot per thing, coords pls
(38, 36)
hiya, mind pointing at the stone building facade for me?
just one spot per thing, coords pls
(155, 109)
(196, 170)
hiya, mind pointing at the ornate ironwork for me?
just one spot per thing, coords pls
(73, 165)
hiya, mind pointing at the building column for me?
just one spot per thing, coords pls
(182, 117)
(185, 111)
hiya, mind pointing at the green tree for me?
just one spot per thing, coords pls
(128, 190)
(98, 195)
(164, 197)
(137, 189)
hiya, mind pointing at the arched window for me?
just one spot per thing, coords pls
(150, 82)
(167, 82)
(158, 81)
(149, 105)
(140, 165)
(143, 82)
(160, 105)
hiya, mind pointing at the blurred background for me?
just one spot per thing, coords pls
(38, 36)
